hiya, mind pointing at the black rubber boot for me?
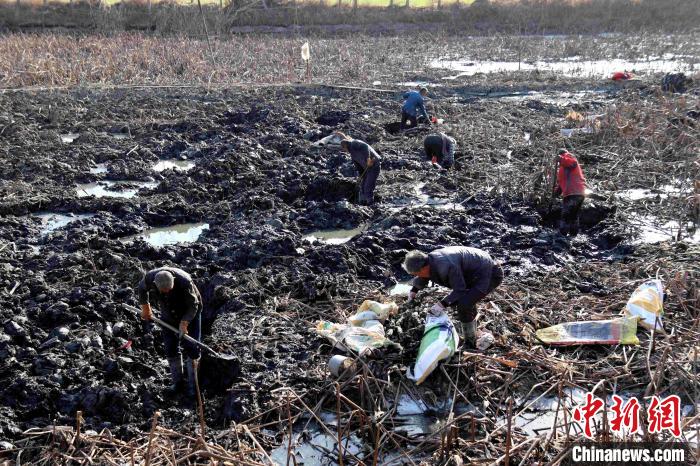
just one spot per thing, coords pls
(176, 375)
(191, 387)
(469, 334)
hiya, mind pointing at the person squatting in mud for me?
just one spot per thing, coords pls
(571, 185)
(440, 149)
(180, 305)
(470, 273)
(368, 164)
(413, 104)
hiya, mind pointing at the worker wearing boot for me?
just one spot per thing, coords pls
(180, 305)
(440, 149)
(413, 105)
(368, 164)
(571, 185)
(470, 273)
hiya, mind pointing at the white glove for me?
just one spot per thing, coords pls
(411, 296)
(437, 310)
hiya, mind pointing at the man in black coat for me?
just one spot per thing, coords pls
(180, 305)
(470, 273)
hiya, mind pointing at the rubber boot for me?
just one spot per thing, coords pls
(191, 387)
(469, 334)
(176, 374)
(573, 231)
(563, 227)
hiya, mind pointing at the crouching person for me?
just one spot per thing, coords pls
(440, 149)
(470, 273)
(368, 164)
(180, 305)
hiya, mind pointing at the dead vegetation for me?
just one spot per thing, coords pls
(482, 17)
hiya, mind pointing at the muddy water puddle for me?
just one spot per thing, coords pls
(178, 165)
(335, 236)
(573, 66)
(401, 289)
(174, 234)
(426, 200)
(122, 189)
(52, 221)
(653, 230)
(99, 169)
(558, 98)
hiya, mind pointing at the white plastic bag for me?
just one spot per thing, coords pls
(647, 303)
(439, 342)
(372, 310)
(364, 331)
(305, 52)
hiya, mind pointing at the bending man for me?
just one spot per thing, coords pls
(572, 186)
(368, 164)
(413, 105)
(180, 305)
(440, 149)
(471, 274)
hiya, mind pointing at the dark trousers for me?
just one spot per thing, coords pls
(172, 342)
(466, 307)
(570, 210)
(411, 119)
(368, 182)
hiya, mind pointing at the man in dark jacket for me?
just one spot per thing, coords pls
(440, 149)
(180, 305)
(471, 274)
(413, 105)
(368, 164)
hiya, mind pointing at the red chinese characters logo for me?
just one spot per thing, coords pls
(661, 415)
(665, 415)
(625, 415)
(585, 415)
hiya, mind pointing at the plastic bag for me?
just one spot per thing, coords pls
(372, 310)
(622, 331)
(439, 342)
(647, 303)
(360, 339)
(305, 52)
(364, 331)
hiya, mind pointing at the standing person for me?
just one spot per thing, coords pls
(440, 149)
(413, 104)
(180, 305)
(571, 185)
(368, 164)
(470, 273)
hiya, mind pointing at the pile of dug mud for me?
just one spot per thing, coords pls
(68, 342)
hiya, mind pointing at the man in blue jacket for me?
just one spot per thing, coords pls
(413, 104)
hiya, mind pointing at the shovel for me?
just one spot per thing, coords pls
(226, 357)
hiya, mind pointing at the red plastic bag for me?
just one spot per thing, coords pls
(621, 76)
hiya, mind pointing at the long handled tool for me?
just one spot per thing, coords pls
(216, 354)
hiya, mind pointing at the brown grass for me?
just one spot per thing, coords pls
(523, 17)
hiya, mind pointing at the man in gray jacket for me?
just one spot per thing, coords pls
(368, 164)
(471, 274)
(180, 305)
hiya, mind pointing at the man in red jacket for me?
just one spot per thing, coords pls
(572, 186)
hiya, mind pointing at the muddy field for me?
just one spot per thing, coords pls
(85, 173)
